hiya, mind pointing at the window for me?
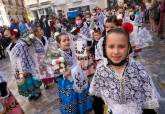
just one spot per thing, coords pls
(48, 10)
(41, 11)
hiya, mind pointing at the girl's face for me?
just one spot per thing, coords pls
(64, 43)
(7, 33)
(117, 47)
(109, 26)
(96, 36)
(88, 18)
(39, 32)
(78, 21)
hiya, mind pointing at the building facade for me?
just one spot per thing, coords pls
(11, 9)
(82, 5)
(37, 8)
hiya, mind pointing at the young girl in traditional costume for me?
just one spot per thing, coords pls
(73, 84)
(8, 103)
(97, 44)
(82, 46)
(110, 23)
(23, 66)
(121, 82)
(41, 49)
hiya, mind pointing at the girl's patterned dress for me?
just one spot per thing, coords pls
(126, 95)
(83, 55)
(72, 102)
(41, 49)
(24, 68)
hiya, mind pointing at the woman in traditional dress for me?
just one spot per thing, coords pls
(152, 5)
(8, 103)
(23, 66)
(123, 84)
(73, 84)
(41, 49)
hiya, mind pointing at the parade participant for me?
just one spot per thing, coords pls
(8, 103)
(22, 28)
(73, 84)
(23, 66)
(97, 49)
(41, 49)
(110, 23)
(2, 50)
(89, 21)
(53, 24)
(97, 44)
(123, 84)
(138, 16)
(151, 6)
(82, 45)
(100, 17)
(82, 27)
(161, 26)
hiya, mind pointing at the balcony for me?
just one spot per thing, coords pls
(59, 2)
(74, 0)
(43, 1)
(31, 2)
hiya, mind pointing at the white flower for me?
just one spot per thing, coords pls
(61, 59)
(56, 66)
(56, 34)
(62, 70)
(62, 65)
(54, 62)
(16, 30)
(31, 36)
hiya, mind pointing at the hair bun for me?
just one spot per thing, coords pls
(127, 27)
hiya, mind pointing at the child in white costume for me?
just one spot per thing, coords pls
(123, 83)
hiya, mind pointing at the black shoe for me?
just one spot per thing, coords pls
(30, 98)
(37, 96)
(161, 37)
(46, 86)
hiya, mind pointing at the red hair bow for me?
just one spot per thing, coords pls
(127, 27)
(14, 32)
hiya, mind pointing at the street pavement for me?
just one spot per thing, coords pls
(152, 57)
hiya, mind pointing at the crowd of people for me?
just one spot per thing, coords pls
(92, 61)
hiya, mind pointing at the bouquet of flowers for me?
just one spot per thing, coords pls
(75, 30)
(55, 63)
(29, 37)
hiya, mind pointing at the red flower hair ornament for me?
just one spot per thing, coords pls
(120, 21)
(127, 27)
(14, 32)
